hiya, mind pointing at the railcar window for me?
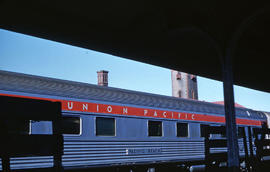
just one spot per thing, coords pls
(105, 126)
(41, 127)
(224, 134)
(253, 133)
(202, 130)
(154, 128)
(240, 132)
(182, 129)
(71, 125)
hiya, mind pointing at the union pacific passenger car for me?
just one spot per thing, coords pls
(106, 126)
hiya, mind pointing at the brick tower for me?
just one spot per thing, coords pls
(102, 77)
(184, 85)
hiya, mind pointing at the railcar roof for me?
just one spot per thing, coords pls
(11, 81)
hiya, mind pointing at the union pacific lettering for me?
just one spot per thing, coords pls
(143, 112)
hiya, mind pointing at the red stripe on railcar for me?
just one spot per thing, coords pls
(144, 112)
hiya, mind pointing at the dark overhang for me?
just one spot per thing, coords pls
(184, 35)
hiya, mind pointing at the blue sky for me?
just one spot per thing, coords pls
(31, 55)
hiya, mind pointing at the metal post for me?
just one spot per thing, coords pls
(57, 158)
(247, 157)
(6, 164)
(206, 148)
(250, 140)
(232, 140)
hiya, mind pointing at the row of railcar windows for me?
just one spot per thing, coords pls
(104, 126)
(155, 129)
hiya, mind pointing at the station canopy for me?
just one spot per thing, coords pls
(189, 36)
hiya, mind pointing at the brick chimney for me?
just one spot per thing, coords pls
(102, 77)
(184, 85)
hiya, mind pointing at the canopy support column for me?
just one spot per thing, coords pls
(231, 129)
(227, 67)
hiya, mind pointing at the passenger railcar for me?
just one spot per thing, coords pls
(106, 126)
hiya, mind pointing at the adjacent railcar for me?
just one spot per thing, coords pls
(106, 126)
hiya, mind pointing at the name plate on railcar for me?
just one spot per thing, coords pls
(143, 151)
